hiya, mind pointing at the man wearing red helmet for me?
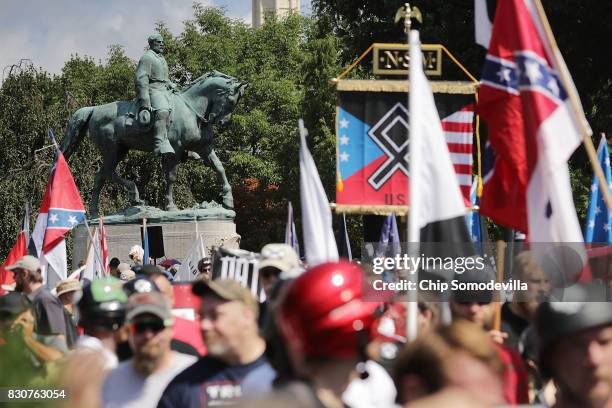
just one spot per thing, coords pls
(325, 321)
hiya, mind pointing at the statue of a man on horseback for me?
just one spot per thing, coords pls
(182, 123)
(153, 89)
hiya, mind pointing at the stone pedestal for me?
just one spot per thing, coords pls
(122, 232)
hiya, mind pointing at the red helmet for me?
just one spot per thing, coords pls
(323, 311)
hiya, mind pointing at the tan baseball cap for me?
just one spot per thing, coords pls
(227, 289)
(149, 303)
(281, 257)
(27, 262)
(67, 285)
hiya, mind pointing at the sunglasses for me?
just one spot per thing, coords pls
(268, 273)
(154, 326)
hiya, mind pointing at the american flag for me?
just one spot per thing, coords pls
(458, 130)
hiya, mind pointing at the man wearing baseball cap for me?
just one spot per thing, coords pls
(65, 292)
(278, 261)
(47, 309)
(235, 365)
(187, 337)
(23, 352)
(575, 348)
(139, 381)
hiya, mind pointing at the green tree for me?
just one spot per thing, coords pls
(287, 65)
(576, 25)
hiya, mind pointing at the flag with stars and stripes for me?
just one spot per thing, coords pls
(65, 209)
(372, 140)
(532, 129)
(61, 210)
(599, 220)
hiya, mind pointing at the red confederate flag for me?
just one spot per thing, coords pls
(19, 249)
(532, 129)
(61, 210)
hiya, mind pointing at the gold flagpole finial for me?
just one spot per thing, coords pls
(408, 14)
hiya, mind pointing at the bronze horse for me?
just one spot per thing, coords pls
(208, 100)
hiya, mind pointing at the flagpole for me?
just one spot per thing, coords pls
(96, 253)
(413, 230)
(145, 243)
(89, 248)
(575, 104)
(501, 247)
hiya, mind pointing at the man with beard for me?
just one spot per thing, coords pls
(236, 365)
(575, 349)
(519, 314)
(47, 309)
(187, 338)
(139, 382)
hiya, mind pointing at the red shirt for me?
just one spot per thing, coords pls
(515, 384)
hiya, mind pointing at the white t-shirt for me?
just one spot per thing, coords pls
(377, 390)
(87, 343)
(124, 387)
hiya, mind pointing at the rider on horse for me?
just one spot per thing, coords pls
(154, 90)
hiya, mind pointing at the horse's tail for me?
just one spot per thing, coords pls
(75, 131)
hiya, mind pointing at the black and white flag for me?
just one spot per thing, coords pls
(484, 13)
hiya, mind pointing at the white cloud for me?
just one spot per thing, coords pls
(48, 32)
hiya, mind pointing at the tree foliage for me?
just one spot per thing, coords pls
(576, 25)
(287, 66)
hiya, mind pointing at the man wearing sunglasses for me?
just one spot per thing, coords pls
(278, 261)
(139, 381)
(235, 365)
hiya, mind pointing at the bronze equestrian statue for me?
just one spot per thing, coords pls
(183, 125)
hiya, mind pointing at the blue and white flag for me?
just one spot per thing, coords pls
(599, 220)
(291, 237)
(145, 244)
(473, 218)
(389, 242)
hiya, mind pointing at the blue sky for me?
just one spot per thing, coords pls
(46, 32)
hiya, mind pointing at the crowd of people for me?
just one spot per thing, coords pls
(318, 340)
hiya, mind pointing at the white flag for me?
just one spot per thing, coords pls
(319, 242)
(189, 267)
(483, 21)
(434, 189)
(290, 234)
(92, 265)
(54, 265)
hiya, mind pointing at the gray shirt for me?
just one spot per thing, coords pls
(48, 313)
(124, 387)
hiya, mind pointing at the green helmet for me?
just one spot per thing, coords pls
(103, 304)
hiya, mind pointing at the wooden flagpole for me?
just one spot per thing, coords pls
(501, 249)
(575, 105)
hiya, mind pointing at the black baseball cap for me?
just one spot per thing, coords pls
(14, 303)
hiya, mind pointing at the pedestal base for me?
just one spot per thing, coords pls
(178, 237)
